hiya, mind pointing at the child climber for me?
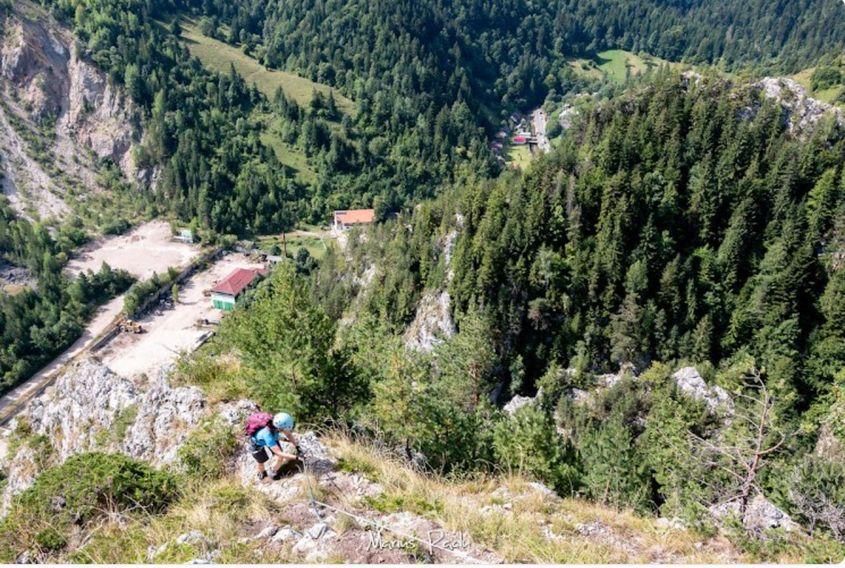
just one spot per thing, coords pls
(266, 433)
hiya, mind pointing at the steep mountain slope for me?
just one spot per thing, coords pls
(220, 513)
(61, 118)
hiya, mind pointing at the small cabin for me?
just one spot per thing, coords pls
(226, 293)
(184, 236)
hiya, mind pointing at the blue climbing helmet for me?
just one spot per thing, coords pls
(283, 421)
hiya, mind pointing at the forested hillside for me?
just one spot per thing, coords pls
(515, 51)
(651, 316)
(684, 222)
(427, 77)
(681, 224)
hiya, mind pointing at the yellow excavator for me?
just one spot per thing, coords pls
(129, 326)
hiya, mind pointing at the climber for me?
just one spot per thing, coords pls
(266, 433)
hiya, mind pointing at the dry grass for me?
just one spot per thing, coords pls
(522, 524)
(223, 511)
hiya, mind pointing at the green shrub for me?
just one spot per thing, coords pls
(528, 443)
(50, 540)
(86, 487)
(817, 494)
(208, 449)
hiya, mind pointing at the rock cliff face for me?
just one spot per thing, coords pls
(91, 408)
(59, 114)
(433, 322)
(801, 111)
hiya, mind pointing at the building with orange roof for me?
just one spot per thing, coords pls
(349, 218)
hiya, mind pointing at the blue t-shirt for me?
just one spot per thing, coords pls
(266, 437)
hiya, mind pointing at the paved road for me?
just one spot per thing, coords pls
(538, 125)
(9, 402)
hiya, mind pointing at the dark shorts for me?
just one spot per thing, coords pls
(260, 454)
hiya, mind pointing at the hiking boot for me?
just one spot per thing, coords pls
(262, 475)
(276, 475)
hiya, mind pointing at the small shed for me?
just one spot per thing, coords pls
(226, 293)
(184, 236)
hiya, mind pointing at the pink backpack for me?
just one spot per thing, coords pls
(257, 421)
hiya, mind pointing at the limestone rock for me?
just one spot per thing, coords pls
(760, 515)
(285, 534)
(165, 418)
(802, 111)
(235, 413)
(691, 384)
(432, 323)
(90, 408)
(22, 471)
(516, 403)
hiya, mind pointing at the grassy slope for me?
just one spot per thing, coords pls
(218, 56)
(519, 157)
(289, 155)
(316, 244)
(612, 65)
(829, 95)
(532, 527)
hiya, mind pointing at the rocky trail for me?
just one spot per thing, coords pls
(85, 406)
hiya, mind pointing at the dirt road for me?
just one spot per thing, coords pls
(538, 125)
(144, 250)
(104, 316)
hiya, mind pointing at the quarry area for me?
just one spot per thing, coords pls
(170, 329)
(147, 249)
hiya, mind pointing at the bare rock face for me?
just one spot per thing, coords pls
(432, 324)
(91, 408)
(23, 469)
(165, 418)
(691, 384)
(42, 63)
(46, 82)
(760, 515)
(99, 116)
(803, 112)
(516, 403)
(84, 401)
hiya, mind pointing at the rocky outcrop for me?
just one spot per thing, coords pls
(760, 515)
(690, 383)
(91, 408)
(516, 403)
(165, 417)
(802, 112)
(432, 323)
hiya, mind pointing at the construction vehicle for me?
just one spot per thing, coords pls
(126, 325)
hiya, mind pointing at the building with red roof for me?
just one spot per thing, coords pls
(349, 218)
(226, 292)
